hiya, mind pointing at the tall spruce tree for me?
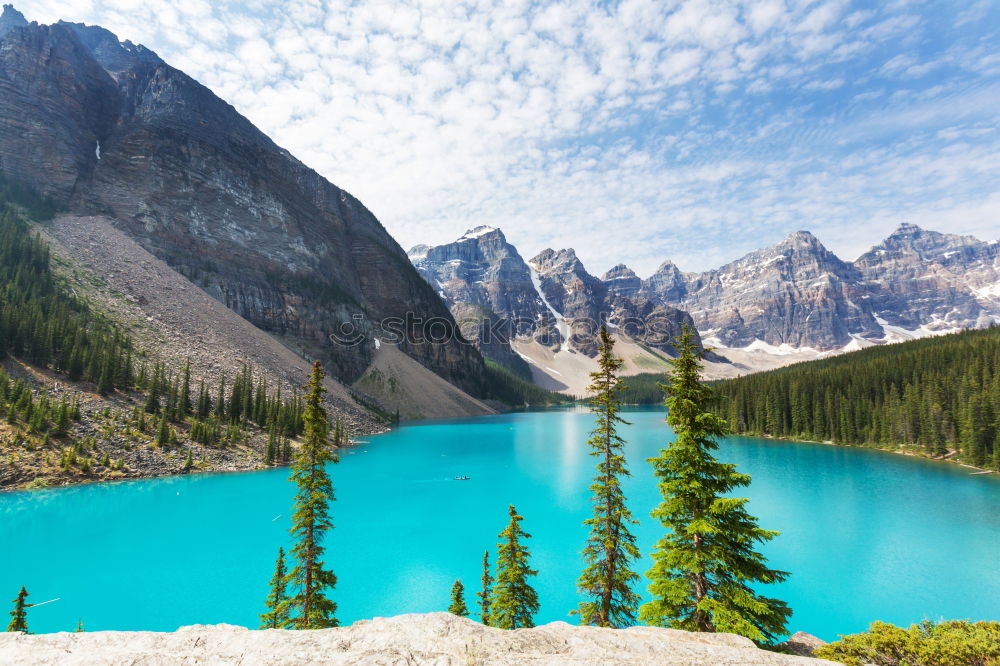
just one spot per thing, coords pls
(457, 606)
(276, 616)
(607, 581)
(311, 519)
(486, 592)
(19, 616)
(514, 602)
(704, 567)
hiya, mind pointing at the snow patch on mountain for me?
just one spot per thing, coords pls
(561, 324)
(477, 232)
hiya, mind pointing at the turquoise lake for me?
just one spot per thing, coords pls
(866, 535)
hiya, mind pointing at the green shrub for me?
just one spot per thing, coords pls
(947, 643)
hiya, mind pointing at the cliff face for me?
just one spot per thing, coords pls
(551, 302)
(796, 293)
(106, 127)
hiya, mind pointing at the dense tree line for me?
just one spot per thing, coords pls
(503, 385)
(936, 395)
(43, 325)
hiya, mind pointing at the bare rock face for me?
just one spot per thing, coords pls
(796, 293)
(925, 278)
(106, 127)
(432, 638)
(793, 295)
(580, 298)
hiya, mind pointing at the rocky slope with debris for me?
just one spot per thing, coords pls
(438, 638)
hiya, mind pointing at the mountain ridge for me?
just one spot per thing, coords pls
(105, 127)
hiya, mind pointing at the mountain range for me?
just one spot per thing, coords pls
(792, 301)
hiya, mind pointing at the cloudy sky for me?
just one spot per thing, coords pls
(633, 131)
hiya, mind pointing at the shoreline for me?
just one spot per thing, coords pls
(354, 442)
(170, 474)
(903, 452)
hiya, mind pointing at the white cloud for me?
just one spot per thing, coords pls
(634, 130)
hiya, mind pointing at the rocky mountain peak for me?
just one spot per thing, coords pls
(10, 19)
(619, 272)
(928, 280)
(801, 237)
(481, 231)
(479, 274)
(564, 260)
(622, 281)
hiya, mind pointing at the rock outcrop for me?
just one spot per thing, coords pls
(105, 127)
(433, 638)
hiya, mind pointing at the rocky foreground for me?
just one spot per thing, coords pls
(432, 638)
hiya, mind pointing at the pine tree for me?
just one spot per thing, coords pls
(184, 399)
(457, 606)
(704, 567)
(277, 602)
(514, 602)
(607, 581)
(62, 424)
(311, 518)
(486, 592)
(271, 448)
(162, 430)
(19, 616)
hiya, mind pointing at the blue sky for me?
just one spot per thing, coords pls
(633, 131)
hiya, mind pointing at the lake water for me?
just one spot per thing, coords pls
(866, 535)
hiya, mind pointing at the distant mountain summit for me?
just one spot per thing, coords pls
(925, 280)
(106, 127)
(794, 293)
(798, 295)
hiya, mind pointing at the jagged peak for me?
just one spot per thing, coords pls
(112, 53)
(554, 258)
(619, 272)
(480, 231)
(418, 251)
(907, 230)
(11, 18)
